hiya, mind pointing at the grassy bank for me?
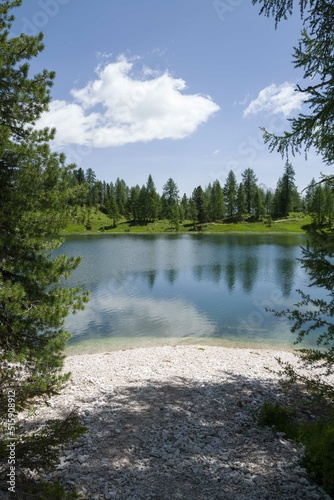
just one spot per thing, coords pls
(95, 222)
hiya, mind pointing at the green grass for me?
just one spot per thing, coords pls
(316, 435)
(94, 221)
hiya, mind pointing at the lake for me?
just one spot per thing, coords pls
(148, 290)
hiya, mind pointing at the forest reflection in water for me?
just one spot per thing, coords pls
(154, 289)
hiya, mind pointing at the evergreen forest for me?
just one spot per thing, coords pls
(234, 201)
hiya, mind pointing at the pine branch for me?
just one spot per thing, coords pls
(312, 88)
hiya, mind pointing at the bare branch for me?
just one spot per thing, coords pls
(313, 87)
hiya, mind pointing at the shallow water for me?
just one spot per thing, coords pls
(150, 290)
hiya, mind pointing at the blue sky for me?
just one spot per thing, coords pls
(174, 89)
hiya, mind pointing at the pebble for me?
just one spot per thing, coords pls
(186, 429)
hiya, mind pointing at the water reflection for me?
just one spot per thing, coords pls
(171, 275)
(151, 277)
(119, 314)
(185, 286)
(231, 270)
(248, 272)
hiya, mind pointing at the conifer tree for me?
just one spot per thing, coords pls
(241, 199)
(152, 199)
(217, 203)
(133, 202)
(170, 199)
(312, 128)
(230, 193)
(249, 181)
(113, 210)
(199, 198)
(33, 210)
(185, 206)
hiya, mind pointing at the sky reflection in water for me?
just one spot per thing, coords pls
(162, 289)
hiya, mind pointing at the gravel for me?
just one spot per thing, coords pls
(178, 423)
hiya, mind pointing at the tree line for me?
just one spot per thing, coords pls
(216, 202)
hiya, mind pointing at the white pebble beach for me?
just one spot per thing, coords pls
(178, 422)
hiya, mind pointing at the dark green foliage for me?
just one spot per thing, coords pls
(121, 195)
(112, 210)
(184, 205)
(259, 208)
(249, 181)
(133, 202)
(216, 202)
(241, 200)
(286, 197)
(201, 204)
(30, 452)
(153, 200)
(276, 415)
(230, 193)
(317, 436)
(315, 54)
(79, 174)
(144, 205)
(36, 187)
(170, 208)
(314, 313)
(47, 491)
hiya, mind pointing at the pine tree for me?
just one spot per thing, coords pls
(113, 210)
(259, 208)
(286, 196)
(289, 189)
(121, 195)
(170, 199)
(79, 175)
(309, 196)
(152, 199)
(133, 202)
(143, 209)
(268, 201)
(241, 200)
(249, 181)
(329, 204)
(90, 178)
(33, 210)
(217, 202)
(230, 192)
(185, 206)
(201, 204)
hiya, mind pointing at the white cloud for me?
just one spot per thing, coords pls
(140, 316)
(118, 108)
(276, 99)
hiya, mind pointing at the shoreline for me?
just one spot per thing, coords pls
(87, 348)
(173, 233)
(177, 422)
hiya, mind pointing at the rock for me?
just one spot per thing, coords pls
(204, 442)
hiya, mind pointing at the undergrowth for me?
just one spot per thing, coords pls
(317, 436)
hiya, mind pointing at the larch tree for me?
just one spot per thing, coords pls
(33, 306)
(312, 129)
